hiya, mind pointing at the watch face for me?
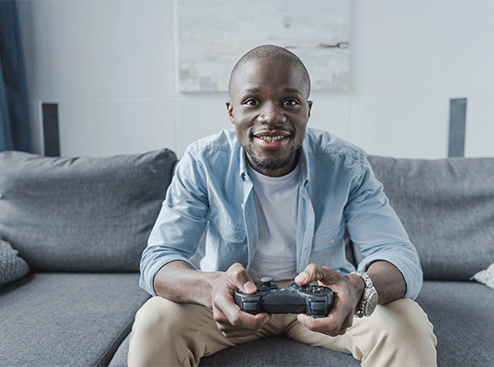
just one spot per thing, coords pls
(371, 304)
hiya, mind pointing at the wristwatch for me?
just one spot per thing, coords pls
(369, 299)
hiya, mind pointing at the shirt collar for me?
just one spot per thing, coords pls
(243, 163)
(304, 161)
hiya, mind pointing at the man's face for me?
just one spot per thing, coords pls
(270, 111)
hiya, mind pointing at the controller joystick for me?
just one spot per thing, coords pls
(316, 301)
(266, 284)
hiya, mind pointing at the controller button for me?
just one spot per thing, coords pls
(250, 306)
(318, 306)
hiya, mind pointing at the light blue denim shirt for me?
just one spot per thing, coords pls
(337, 190)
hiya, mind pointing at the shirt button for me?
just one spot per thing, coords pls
(242, 205)
(222, 231)
(332, 240)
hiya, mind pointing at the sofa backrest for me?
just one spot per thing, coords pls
(447, 207)
(82, 214)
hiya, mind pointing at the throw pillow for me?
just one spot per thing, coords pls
(12, 266)
(486, 276)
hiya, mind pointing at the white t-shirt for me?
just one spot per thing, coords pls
(276, 208)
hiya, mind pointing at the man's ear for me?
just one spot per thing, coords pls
(310, 108)
(229, 108)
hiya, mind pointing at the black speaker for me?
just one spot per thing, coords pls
(50, 129)
(457, 127)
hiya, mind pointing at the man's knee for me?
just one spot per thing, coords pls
(403, 336)
(158, 316)
(405, 320)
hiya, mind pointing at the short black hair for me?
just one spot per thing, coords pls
(272, 52)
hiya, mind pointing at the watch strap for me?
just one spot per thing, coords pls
(369, 290)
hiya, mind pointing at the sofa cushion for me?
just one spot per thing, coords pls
(447, 207)
(67, 319)
(12, 266)
(82, 214)
(486, 276)
(276, 351)
(461, 313)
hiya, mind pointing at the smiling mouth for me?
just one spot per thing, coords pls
(274, 135)
(271, 139)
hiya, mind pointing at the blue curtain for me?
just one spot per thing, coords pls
(14, 116)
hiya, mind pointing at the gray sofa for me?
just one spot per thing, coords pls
(80, 225)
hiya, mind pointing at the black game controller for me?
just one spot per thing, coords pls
(313, 300)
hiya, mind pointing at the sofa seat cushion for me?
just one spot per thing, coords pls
(462, 315)
(82, 214)
(278, 351)
(66, 319)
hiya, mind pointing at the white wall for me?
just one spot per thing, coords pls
(111, 67)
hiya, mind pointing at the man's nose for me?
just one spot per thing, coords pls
(272, 114)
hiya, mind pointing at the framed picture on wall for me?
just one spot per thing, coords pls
(214, 34)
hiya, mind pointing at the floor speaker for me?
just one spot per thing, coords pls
(50, 129)
(457, 126)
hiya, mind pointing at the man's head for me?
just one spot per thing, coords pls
(269, 106)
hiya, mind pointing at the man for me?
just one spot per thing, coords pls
(274, 199)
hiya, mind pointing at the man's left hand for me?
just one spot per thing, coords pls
(347, 291)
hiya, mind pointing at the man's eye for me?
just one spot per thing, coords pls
(250, 102)
(291, 102)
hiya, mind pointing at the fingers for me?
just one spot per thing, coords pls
(246, 324)
(315, 272)
(236, 277)
(330, 325)
(233, 322)
(336, 323)
(241, 279)
(345, 298)
(230, 320)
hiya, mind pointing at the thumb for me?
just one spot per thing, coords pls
(314, 273)
(248, 287)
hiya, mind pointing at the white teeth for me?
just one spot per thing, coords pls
(271, 139)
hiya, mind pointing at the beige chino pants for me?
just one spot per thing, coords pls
(170, 334)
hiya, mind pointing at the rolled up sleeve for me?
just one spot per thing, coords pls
(376, 230)
(180, 224)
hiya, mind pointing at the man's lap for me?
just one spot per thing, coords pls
(399, 319)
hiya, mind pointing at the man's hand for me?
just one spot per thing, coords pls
(230, 319)
(347, 291)
(179, 282)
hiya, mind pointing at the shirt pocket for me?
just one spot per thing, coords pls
(328, 247)
(226, 228)
(332, 237)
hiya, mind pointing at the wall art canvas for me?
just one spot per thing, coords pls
(214, 34)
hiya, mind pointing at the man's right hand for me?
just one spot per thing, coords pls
(230, 319)
(180, 283)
